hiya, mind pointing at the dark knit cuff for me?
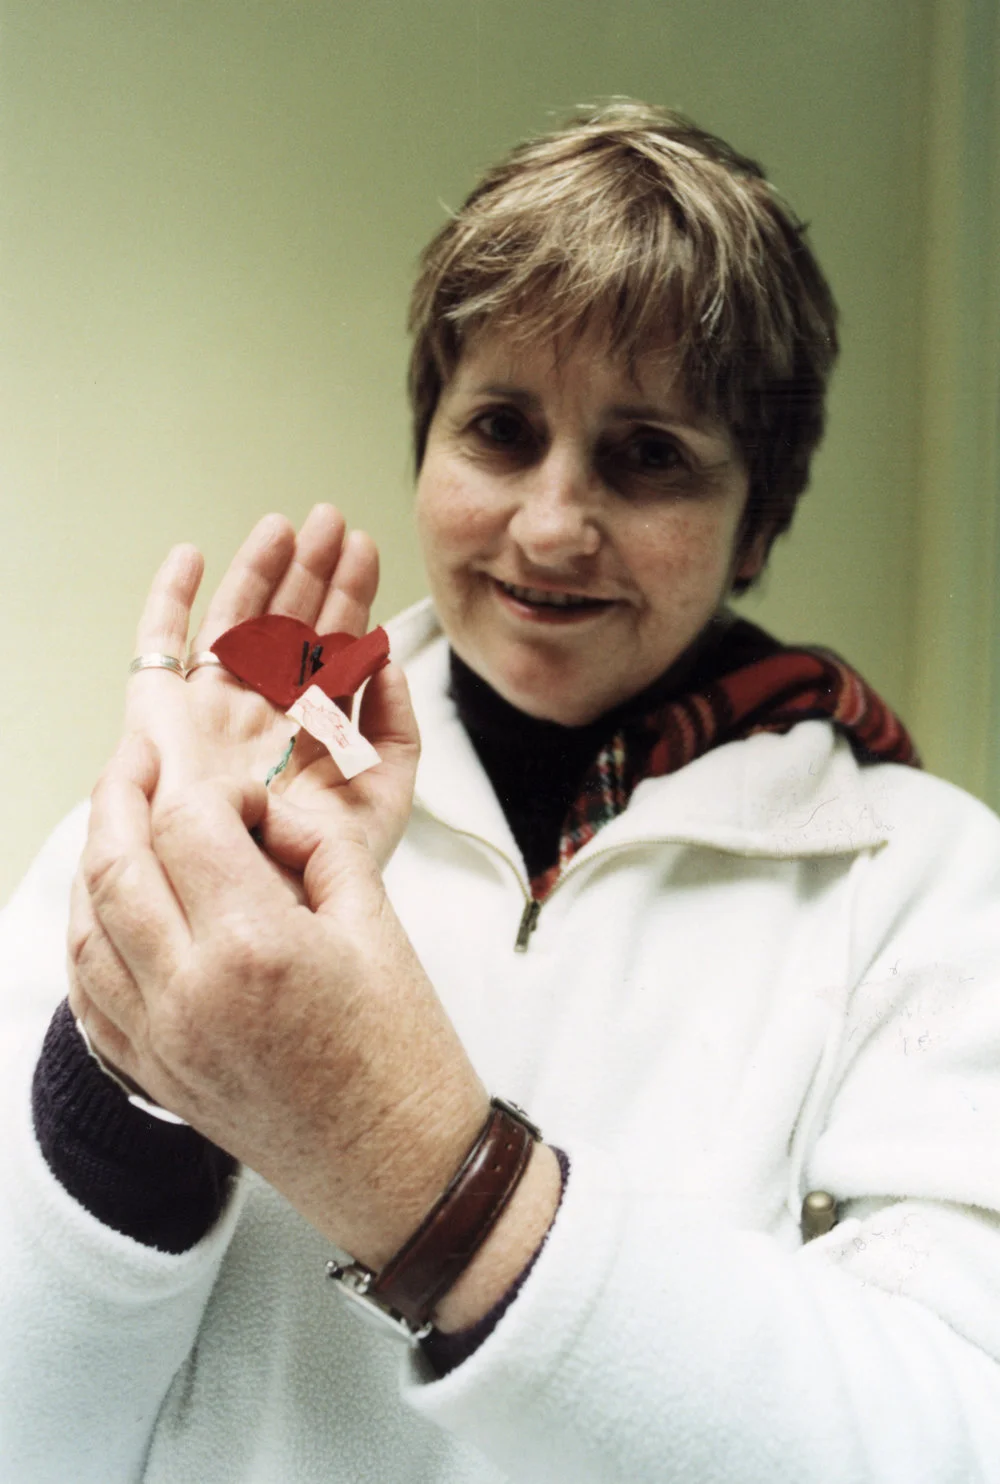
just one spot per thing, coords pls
(163, 1184)
(445, 1352)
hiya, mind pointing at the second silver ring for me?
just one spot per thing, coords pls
(200, 660)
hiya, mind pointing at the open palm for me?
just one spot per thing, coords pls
(212, 726)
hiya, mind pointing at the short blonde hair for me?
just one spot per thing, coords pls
(633, 217)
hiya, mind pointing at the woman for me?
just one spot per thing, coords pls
(673, 888)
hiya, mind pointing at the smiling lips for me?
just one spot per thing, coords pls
(546, 605)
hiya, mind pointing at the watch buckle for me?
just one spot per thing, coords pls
(353, 1281)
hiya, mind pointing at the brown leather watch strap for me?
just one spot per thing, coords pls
(451, 1233)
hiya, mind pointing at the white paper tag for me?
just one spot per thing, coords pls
(324, 720)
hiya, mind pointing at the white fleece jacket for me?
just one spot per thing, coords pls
(776, 972)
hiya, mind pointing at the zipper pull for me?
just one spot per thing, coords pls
(529, 921)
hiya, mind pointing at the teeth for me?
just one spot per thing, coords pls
(548, 599)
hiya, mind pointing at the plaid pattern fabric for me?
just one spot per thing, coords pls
(772, 693)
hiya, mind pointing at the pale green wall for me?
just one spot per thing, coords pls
(210, 214)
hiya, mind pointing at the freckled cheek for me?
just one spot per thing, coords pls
(691, 555)
(454, 522)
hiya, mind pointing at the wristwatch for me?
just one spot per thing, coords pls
(404, 1295)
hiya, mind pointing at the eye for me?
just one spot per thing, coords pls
(651, 453)
(646, 462)
(503, 427)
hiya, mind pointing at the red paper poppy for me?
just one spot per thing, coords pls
(281, 657)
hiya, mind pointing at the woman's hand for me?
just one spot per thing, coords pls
(303, 1038)
(213, 726)
(296, 1030)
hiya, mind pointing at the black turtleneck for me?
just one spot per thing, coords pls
(536, 767)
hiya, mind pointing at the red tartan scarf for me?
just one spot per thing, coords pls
(773, 692)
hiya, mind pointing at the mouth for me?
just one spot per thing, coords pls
(548, 605)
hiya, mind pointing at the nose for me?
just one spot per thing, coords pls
(556, 520)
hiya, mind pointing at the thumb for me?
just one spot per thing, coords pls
(288, 833)
(335, 865)
(387, 719)
(292, 835)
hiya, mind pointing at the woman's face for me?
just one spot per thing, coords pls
(579, 522)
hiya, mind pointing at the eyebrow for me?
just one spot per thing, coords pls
(509, 393)
(640, 412)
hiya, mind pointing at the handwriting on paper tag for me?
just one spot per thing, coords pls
(324, 720)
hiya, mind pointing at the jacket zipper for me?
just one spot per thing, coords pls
(529, 921)
(532, 906)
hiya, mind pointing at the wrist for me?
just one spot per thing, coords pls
(422, 1158)
(475, 1238)
(508, 1248)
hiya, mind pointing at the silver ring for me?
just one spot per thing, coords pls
(199, 659)
(156, 662)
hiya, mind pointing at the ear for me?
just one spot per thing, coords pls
(751, 560)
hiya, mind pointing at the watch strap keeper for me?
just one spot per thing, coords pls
(435, 1256)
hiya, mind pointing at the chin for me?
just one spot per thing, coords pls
(540, 686)
(546, 703)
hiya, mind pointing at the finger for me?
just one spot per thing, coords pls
(202, 839)
(352, 591)
(164, 623)
(137, 760)
(96, 971)
(387, 717)
(130, 896)
(318, 547)
(250, 580)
